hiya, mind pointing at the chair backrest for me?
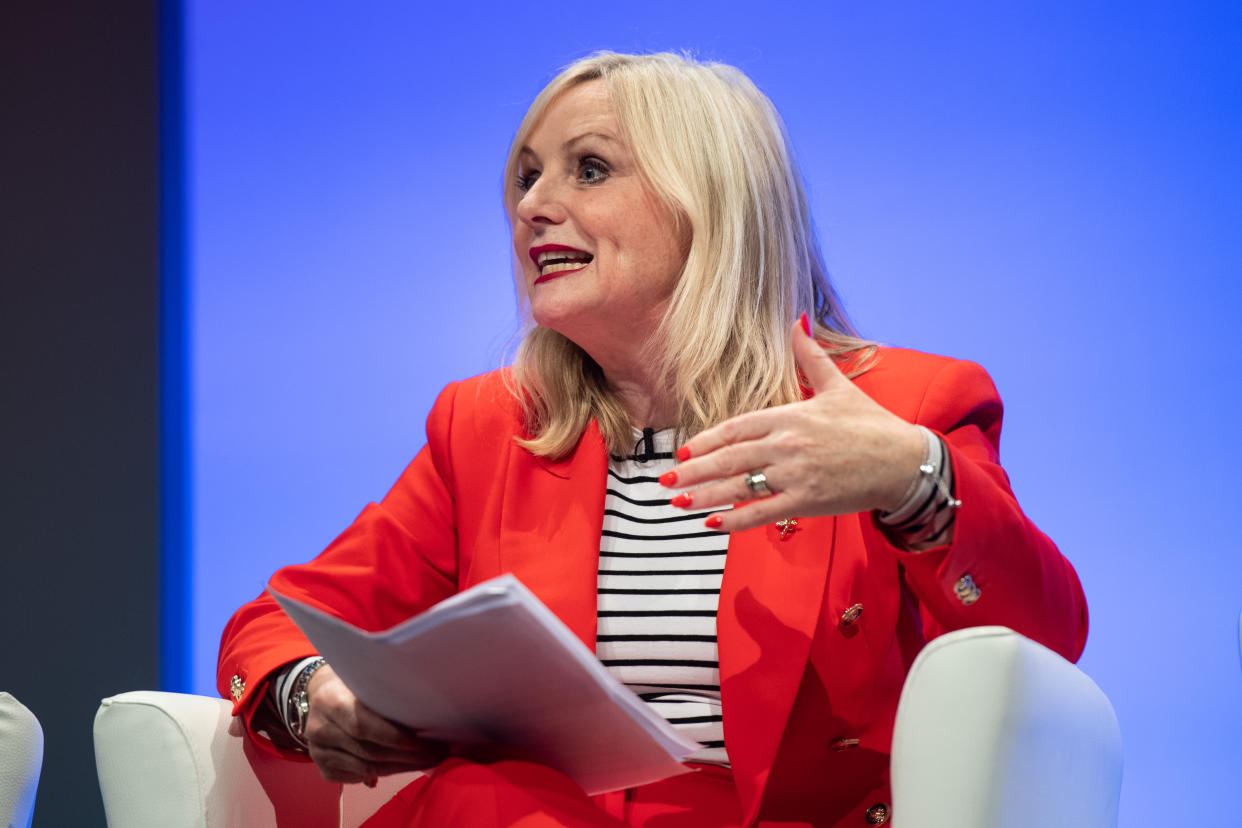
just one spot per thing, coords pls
(21, 762)
(996, 731)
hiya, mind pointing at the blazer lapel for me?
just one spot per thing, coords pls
(550, 528)
(770, 602)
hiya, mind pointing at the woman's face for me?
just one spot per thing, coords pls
(599, 253)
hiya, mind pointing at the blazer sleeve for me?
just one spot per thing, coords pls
(1020, 580)
(397, 558)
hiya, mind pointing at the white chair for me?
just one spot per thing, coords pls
(175, 759)
(993, 731)
(21, 761)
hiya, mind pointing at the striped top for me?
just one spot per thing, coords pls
(659, 586)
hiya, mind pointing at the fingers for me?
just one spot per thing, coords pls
(743, 428)
(729, 490)
(339, 766)
(342, 758)
(837, 453)
(818, 368)
(412, 752)
(729, 461)
(372, 729)
(757, 513)
(335, 712)
(352, 743)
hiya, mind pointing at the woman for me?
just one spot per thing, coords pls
(664, 251)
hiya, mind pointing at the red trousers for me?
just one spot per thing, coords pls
(513, 793)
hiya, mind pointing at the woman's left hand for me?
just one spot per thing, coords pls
(837, 453)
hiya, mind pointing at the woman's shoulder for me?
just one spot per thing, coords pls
(891, 362)
(887, 359)
(904, 380)
(488, 388)
(473, 422)
(486, 401)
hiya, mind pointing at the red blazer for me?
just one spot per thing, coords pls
(799, 684)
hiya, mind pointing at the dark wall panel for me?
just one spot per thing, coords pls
(79, 339)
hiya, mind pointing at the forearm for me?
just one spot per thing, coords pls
(998, 569)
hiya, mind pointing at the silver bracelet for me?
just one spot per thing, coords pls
(935, 468)
(298, 704)
(929, 504)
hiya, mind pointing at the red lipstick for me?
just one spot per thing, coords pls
(535, 253)
(551, 248)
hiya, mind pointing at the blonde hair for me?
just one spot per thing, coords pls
(713, 149)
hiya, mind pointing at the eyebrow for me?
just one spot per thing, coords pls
(526, 150)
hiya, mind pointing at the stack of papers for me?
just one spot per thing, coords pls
(493, 664)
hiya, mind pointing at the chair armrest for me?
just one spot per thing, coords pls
(21, 761)
(175, 759)
(996, 730)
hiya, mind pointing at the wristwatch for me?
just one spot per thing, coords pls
(298, 704)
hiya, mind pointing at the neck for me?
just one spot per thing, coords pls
(646, 402)
(630, 371)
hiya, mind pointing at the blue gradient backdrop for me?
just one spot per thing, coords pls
(1050, 189)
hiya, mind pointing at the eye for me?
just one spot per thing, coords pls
(592, 170)
(526, 179)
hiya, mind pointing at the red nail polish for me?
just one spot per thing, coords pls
(683, 454)
(806, 325)
(669, 478)
(681, 501)
(713, 522)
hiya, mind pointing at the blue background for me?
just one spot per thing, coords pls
(1050, 189)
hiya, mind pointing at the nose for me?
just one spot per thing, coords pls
(541, 205)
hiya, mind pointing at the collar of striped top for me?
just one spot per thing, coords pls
(649, 444)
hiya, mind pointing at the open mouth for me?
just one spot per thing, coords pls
(557, 259)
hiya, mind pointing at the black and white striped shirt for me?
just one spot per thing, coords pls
(659, 586)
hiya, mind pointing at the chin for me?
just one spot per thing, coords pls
(548, 318)
(564, 318)
(548, 307)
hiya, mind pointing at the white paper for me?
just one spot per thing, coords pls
(493, 664)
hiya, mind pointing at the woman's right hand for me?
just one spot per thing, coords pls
(350, 742)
